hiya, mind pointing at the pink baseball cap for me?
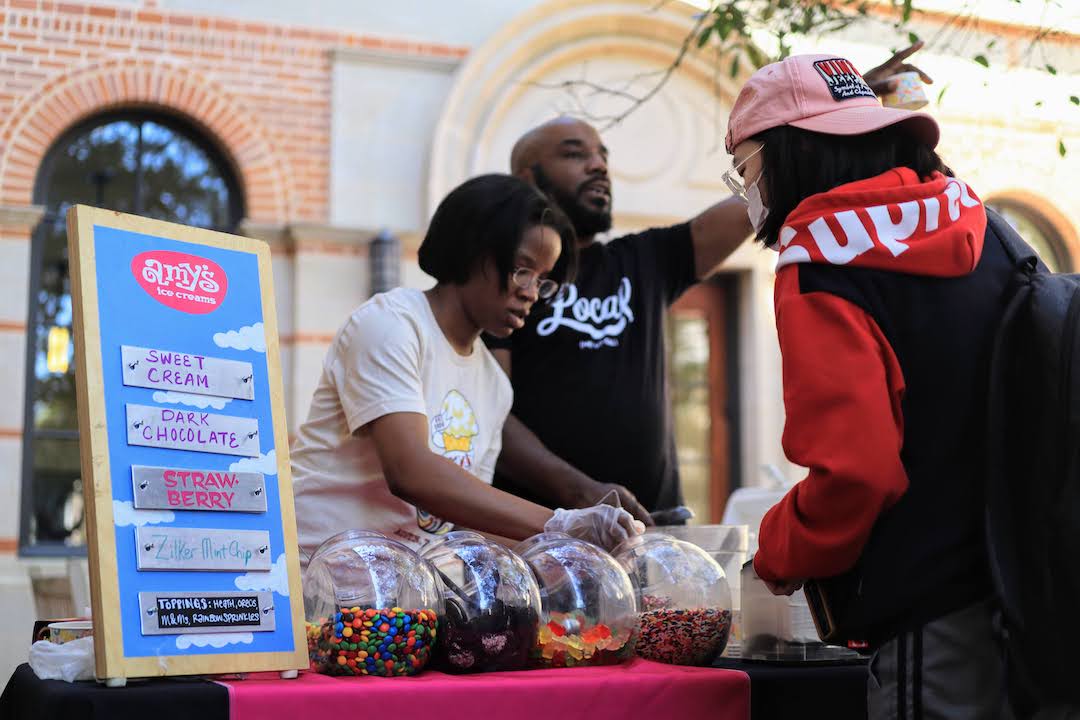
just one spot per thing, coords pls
(822, 93)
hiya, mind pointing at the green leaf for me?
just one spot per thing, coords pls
(1061, 148)
(756, 56)
(981, 59)
(941, 94)
(1051, 69)
(990, 45)
(734, 67)
(912, 38)
(704, 36)
(1074, 100)
(1038, 103)
(907, 10)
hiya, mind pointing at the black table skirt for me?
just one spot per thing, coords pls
(27, 698)
(789, 692)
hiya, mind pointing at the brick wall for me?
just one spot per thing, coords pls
(263, 91)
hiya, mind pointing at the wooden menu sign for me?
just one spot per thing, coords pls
(185, 461)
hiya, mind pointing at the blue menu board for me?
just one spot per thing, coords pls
(185, 462)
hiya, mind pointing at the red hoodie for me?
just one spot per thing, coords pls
(843, 385)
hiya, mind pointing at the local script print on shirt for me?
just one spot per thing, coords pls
(603, 320)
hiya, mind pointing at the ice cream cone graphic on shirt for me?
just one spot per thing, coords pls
(453, 430)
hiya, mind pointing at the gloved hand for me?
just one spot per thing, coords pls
(617, 495)
(601, 525)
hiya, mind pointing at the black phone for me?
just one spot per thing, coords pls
(821, 610)
(830, 602)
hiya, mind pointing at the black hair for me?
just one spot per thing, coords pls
(486, 217)
(799, 163)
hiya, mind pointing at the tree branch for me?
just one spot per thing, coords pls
(609, 121)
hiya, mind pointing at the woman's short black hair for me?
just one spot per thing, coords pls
(799, 163)
(487, 216)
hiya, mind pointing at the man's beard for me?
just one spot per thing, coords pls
(587, 221)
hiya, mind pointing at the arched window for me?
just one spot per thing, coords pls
(137, 162)
(1036, 230)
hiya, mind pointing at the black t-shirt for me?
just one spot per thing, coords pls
(588, 368)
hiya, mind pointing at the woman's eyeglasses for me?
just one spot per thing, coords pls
(524, 279)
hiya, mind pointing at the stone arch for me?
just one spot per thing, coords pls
(560, 34)
(1050, 220)
(44, 115)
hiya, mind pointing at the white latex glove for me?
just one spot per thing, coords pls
(601, 525)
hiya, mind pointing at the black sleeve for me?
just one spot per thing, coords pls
(666, 255)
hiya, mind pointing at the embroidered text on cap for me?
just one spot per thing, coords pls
(843, 79)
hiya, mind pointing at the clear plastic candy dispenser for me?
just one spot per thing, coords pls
(589, 613)
(491, 604)
(683, 596)
(371, 606)
(728, 545)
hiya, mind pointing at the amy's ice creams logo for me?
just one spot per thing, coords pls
(187, 283)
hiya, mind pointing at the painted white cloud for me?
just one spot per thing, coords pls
(199, 401)
(277, 579)
(249, 337)
(266, 464)
(218, 640)
(124, 513)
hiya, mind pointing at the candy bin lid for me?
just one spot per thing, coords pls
(371, 606)
(588, 609)
(491, 604)
(684, 598)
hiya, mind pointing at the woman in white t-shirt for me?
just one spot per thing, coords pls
(405, 425)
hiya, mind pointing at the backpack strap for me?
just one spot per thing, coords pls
(1021, 254)
(999, 526)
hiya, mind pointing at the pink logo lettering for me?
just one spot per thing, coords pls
(183, 282)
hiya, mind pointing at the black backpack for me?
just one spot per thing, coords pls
(1033, 476)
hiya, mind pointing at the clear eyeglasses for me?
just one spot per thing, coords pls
(524, 279)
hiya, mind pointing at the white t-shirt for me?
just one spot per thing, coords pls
(389, 357)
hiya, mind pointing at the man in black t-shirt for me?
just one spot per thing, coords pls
(589, 369)
(591, 412)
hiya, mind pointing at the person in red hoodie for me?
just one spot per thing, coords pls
(888, 290)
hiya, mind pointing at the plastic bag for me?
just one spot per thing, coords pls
(70, 662)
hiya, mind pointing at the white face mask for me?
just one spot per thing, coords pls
(755, 208)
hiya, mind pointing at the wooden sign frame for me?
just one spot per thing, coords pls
(104, 480)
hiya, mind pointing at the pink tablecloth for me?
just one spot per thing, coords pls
(639, 689)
